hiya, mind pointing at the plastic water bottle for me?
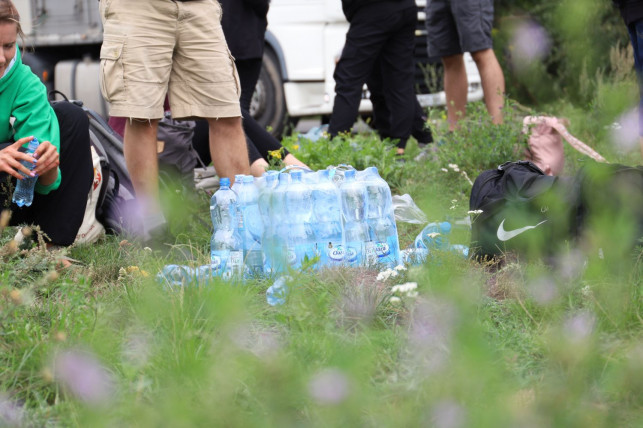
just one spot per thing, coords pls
(279, 224)
(277, 293)
(226, 245)
(250, 226)
(300, 237)
(360, 249)
(181, 275)
(434, 236)
(176, 275)
(381, 218)
(23, 193)
(327, 224)
(238, 180)
(267, 241)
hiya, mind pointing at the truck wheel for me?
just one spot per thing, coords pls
(268, 105)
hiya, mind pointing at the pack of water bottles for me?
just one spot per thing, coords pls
(287, 220)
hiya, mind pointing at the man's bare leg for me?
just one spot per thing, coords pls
(455, 87)
(139, 149)
(228, 147)
(493, 82)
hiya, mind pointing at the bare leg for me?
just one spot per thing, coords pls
(139, 148)
(292, 160)
(455, 86)
(493, 82)
(228, 147)
(258, 167)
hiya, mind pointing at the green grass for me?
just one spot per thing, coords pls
(104, 344)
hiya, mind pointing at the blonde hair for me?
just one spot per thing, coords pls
(9, 13)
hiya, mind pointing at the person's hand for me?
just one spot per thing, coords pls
(47, 158)
(11, 158)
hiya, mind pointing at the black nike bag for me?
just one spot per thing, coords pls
(517, 208)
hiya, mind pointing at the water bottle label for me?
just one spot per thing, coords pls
(335, 253)
(353, 252)
(215, 260)
(387, 252)
(254, 262)
(382, 249)
(240, 220)
(236, 260)
(226, 263)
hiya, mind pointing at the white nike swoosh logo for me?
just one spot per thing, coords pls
(504, 235)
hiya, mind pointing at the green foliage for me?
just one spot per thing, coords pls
(448, 342)
(574, 52)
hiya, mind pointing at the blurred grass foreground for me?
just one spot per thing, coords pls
(446, 343)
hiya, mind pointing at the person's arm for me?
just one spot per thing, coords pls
(34, 116)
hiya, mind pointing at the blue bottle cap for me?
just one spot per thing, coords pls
(224, 182)
(350, 173)
(248, 179)
(33, 144)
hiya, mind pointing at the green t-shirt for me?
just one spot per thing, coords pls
(25, 111)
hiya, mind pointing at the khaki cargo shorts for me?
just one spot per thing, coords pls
(156, 47)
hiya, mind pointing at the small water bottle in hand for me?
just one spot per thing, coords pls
(23, 193)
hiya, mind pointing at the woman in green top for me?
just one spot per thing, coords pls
(63, 159)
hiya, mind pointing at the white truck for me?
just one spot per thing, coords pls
(303, 42)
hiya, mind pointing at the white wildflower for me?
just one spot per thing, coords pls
(400, 267)
(444, 169)
(454, 167)
(394, 300)
(405, 288)
(386, 274)
(466, 177)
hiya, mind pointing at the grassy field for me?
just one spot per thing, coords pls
(529, 344)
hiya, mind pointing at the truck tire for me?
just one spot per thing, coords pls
(268, 105)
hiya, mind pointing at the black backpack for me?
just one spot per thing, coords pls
(518, 208)
(115, 207)
(525, 211)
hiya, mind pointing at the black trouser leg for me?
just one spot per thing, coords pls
(60, 213)
(374, 37)
(397, 73)
(249, 70)
(260, 141)
(361, 49)
(381, 113)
